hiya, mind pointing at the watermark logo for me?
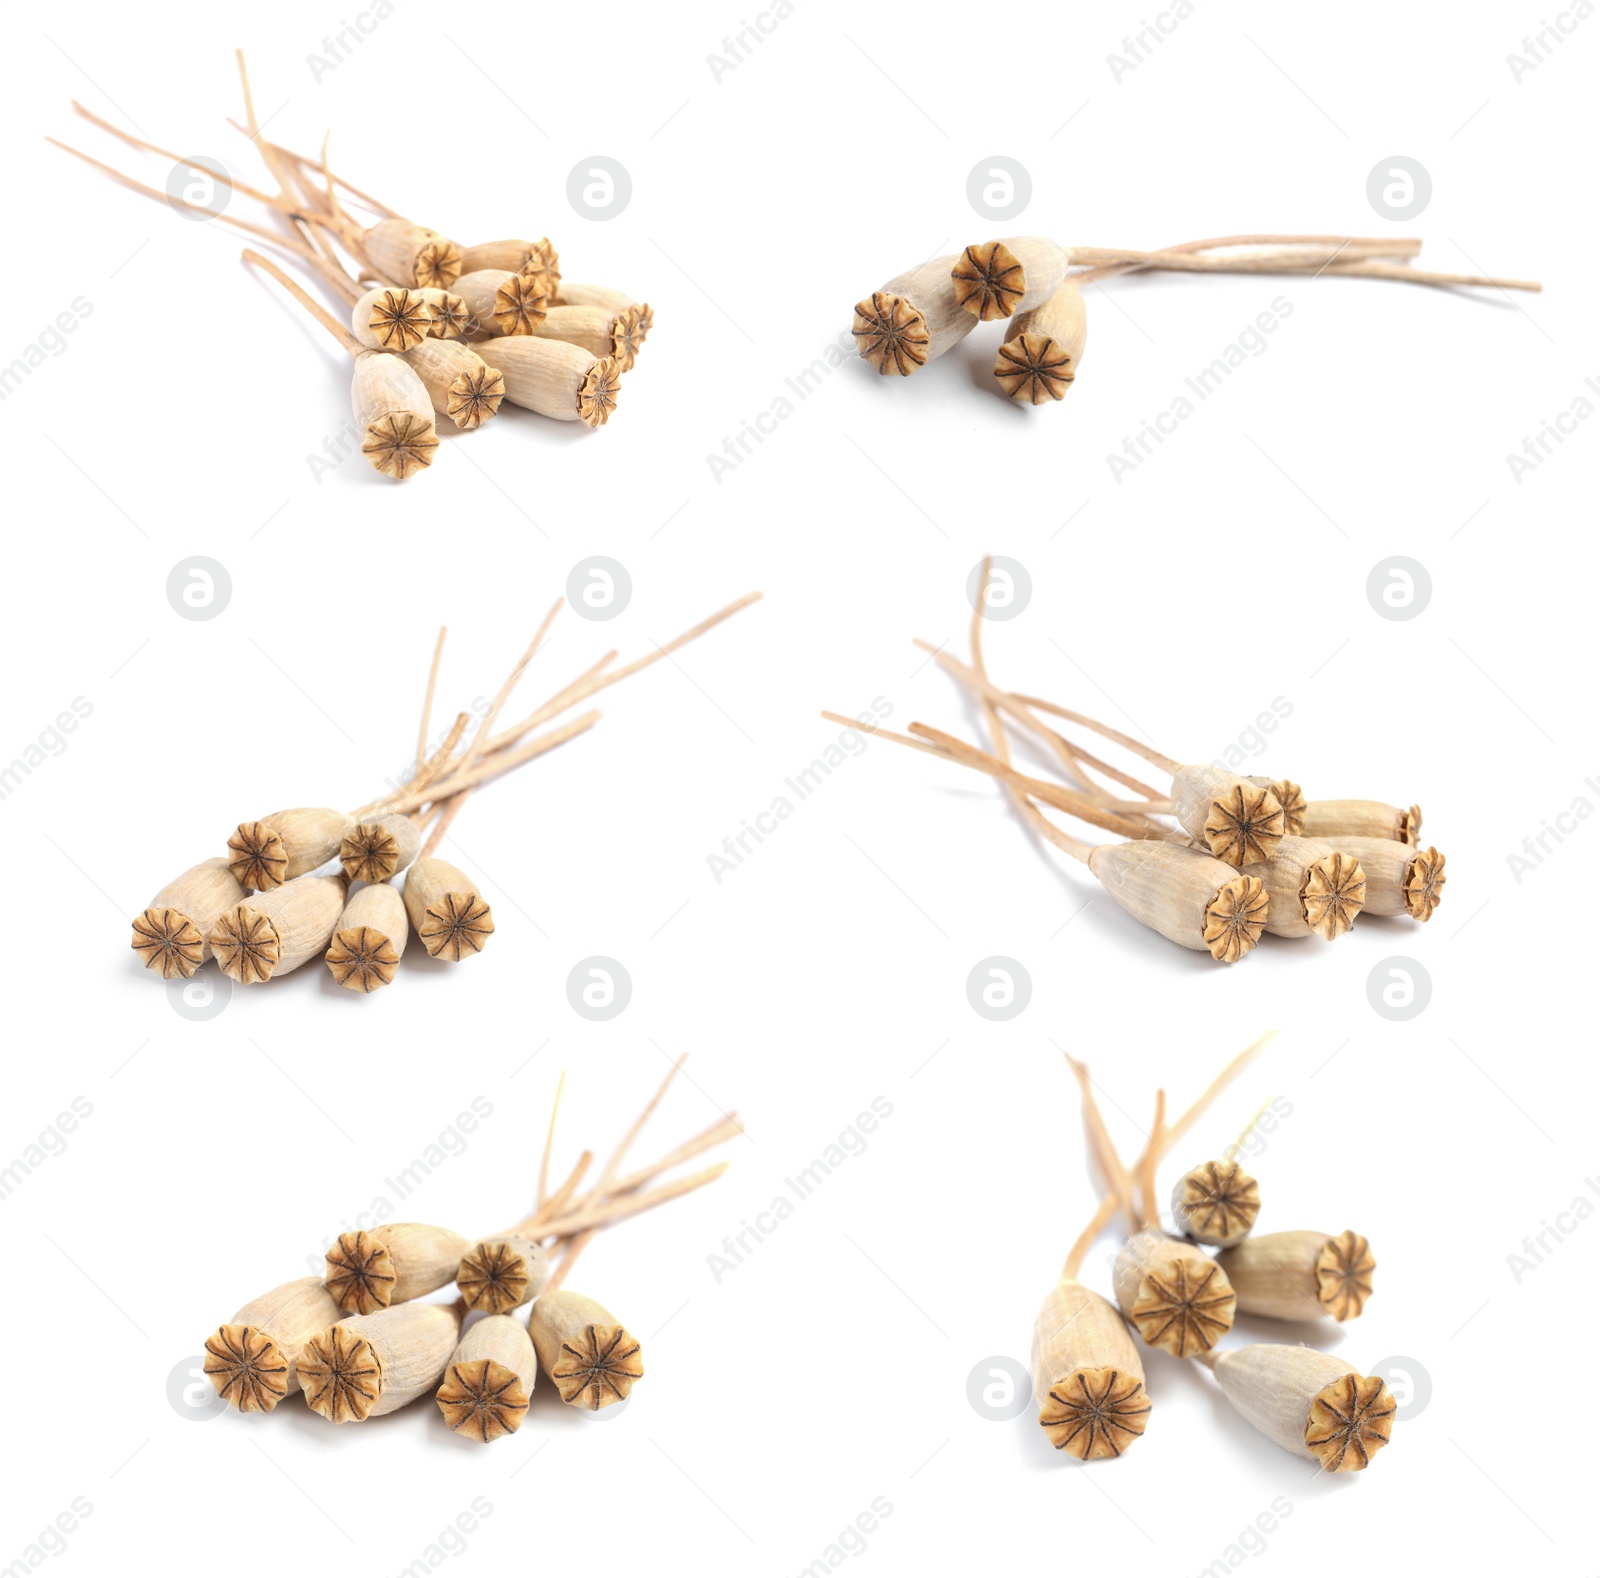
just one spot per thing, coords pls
(1399, 588)
(999, 1388)
(999, 187)
(598, 588)
(1008, 591)
(1399, 188)
(599, 987)
(999, 988)
(1399, 988)
(599, 187)
(198, 187)
(199, 588)
(203, 996)
(190, 1393)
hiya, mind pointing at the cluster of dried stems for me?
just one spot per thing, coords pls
(435, 329)
(1036, 286)
(315, 882)
(359, 1344)
(1210, 861)
(1178, 1291)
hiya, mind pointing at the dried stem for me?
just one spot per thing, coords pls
(315, 308)
(427, 700)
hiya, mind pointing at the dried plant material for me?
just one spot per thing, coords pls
(914, 318)
(1088, 1377)
(502, 303)
(393, 415)
(537, 259)
(1309, 1403)
(486, 1385)
(1185, 895)
(264, 855)
(251, 1359)
(173, 934)
(391, 318)
(498, 1274)
(995, 279)
(370, 1365)
(391, 1264)
(1040, 358)
(1337, 819)
(1312, 889)
(555, 379)
(1178, 1299)
(1292, 798)
(412, 254)
(275, 933)
(588, 1354)
(450, 917)
(1216, 1203)
(459, 383)
(375, 851)
(1301, 1275)
(1238, 821)
(601, 331)
(1400, 880)
(371, 935)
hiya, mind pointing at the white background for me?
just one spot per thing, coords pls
(831, 1367)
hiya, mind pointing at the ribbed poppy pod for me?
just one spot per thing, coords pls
(1313, 889)
(1400, 880)
(1363, 819)
(914, 318)
(369, 938)
(460, 384)
(411, 254)
(272, 934)
(370, 1269)
(369, 1365)
(602, 331)
(1177, 1297)
(500, 302)
(449, 914)
(555, 379)
(1301, 1275)
(265, 854)
(537, 259)
(393, 415)
(590, 1356)
(489, 1379)
(172, 935)
(1088, 1376)
(1238, 821)
(1040, 357)
(1292, 798)
(1184, 894)
(995, 279)
(391, 318)
(497, 1275)
(251, 1359)
(1309, 1403)
(1216, 1203)
(375, 850)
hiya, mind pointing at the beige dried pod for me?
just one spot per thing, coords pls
(461, 385)
(602, 331)
(369, 1270)
(393, 415)
(914, 318)
(1040, 357)
(391, 318)
(634, 319)
(1216, 1203)
(555, 379)
(490, 1376)
(451, 320)
(1312, 888)
(375, 851)
(995, 279)
(173, 933)
(251, 1359)
(1292, 798)
(1301, 1275)
(534, 258)
(1363, 819)
(271, 934)
(1308, 1402)
(370, 1365)
(590, 1357)
(1238, 821)
(500, 302)
(411, 254)
(1400, 880)
(449, 914)
(264, 854)
(1177, 1297)
(1185, 895)
(499, 1274)
(371, 934)
(1088, 1377)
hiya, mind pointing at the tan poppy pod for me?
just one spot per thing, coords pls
(1185, 895)
(1363, 819)
(1088, 1378)
(534, 258)
(601, 331)
(995, 279)
(460, 384)
(914, 318)
(394, 415)
(588, 1354)
(251, 1359)
(1301, 1275)
(375, 851)
(265, 854)
(1309, 1403)
(1400, 880)
(1312, 888)
(1292, 798)
(1216, 1203)
(444, 905)
(1238, 821)
(391, 318)
(1040, 357)
(555, 379)
(271, 934)
(410, 254)
(500, 302)
(497, 1275)
(1177, 1297)
(490, 1376)
(371, 934)
(633, 319)
(392, 1264)
(451, 320)
(370, 1365)
(173, 934)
